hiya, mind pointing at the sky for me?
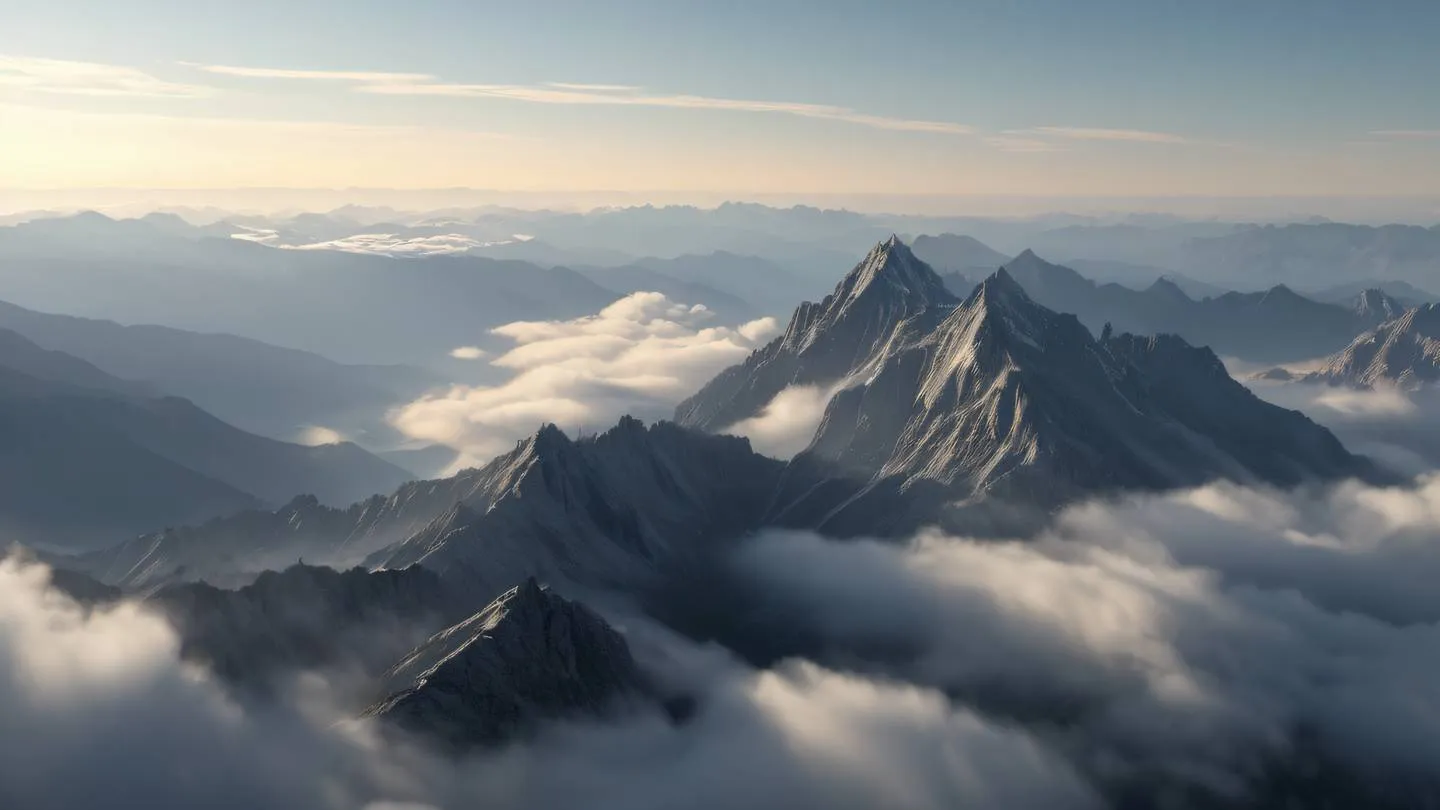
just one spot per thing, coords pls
(964, 97)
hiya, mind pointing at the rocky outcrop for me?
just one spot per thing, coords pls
(529, 656)
(1402, 353)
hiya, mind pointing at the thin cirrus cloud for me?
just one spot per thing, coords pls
(66, 77)
(1101, 134)
(318, 75)
(572, 93)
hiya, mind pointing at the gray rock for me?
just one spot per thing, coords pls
(1402, 353)
(1002, 396)
(529, 656)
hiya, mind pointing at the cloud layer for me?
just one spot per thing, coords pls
(1395, 428)
(97, 706)
(1219, 647)
(378, 244)
(1223, 642)
(65, 77)
(640, 355)
(787, 423)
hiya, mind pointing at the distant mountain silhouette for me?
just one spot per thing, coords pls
(91, 458)
(1277, 325)
(250, 384)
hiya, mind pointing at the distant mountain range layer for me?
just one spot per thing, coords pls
(91, 458)
(352, 288)
(258, 387)
(1277, 325)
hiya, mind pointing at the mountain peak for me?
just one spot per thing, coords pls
(999, 288)
(1403, 352)
(892, 267)
(1280, 292)
(1164, 286)
(1374, 304)
(828, 340)
(549, 437)
(530, 655)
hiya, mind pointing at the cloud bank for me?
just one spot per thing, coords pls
(787, 423)
(1249, 646)
(317, 435)
(66, 77)
(1219, 647)
(1395, 428)
(467, 353)
(98, 706)
(376, 244)
(640, 355)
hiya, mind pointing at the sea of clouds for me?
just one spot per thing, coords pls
(1222, 646)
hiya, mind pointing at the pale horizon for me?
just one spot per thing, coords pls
(124, 203)
(1034, 99)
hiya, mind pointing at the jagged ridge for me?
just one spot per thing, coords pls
(828, 340)
(1004, 396)
(1403, 352)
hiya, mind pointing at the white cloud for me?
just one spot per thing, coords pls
(317, 435)
(1203, 640)
(385, 244)
(1102, 134)
(566, 93)
(596, 88)
(1352, 402)
(787, 423)
(1395, 428)
(318, 75)
(1224, 644)
(467, 353)
(640, 355)
(97, 705)
(804, 736)
(60, 76)
(579, 93)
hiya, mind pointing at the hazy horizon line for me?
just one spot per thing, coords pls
(1410, 208)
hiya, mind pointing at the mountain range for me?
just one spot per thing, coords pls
(368, 309)
(997, 395)
(936, 400)
(600, 511)
(938, 405)
(255, 386)
(1277, 325)
(91, 458)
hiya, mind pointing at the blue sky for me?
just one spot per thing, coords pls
(970, 96)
